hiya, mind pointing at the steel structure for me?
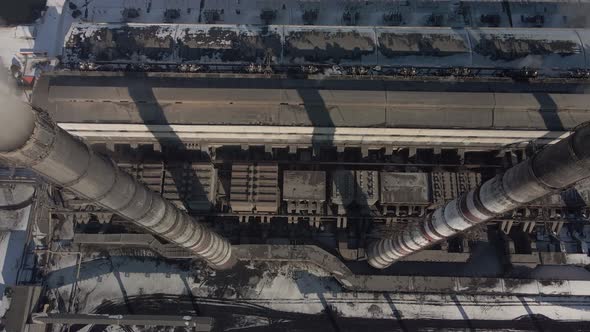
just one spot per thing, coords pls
(201, 324)
(555, 167)
(32, 139)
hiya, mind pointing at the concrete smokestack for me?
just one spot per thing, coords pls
(553, 168)
(30, 138)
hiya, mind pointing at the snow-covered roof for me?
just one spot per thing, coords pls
(327, 45)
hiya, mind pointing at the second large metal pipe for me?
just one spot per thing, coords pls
(553, 168)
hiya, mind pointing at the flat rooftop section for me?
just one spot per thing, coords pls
(399, 188)
(141, 98)
(304, 186)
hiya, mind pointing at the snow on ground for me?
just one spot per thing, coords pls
(48, 32)
(105, 279)
(12, 246)
(53, 26)
(11, 44)
(13, 236)
(414, 13)
(12, 243)
(296, 288)
(4, 305)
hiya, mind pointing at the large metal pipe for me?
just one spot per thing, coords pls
(30, 138)
(553, 168)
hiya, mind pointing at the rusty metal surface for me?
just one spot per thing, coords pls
(367, 190)
(189, 186)
(405, 188)
(254, 188)
(449, 185)
(304, 185)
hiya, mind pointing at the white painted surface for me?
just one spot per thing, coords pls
(284, 134)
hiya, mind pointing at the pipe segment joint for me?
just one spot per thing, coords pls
(554, 168)
(67, 162)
